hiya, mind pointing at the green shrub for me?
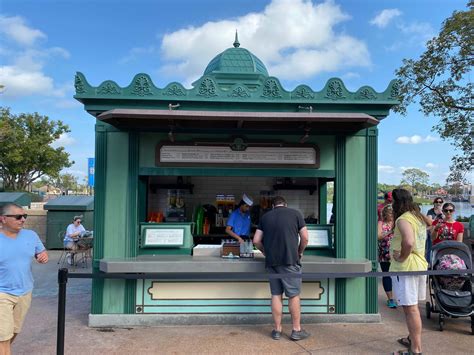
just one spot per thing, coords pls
(462, 218)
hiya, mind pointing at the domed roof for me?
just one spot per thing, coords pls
(236, 60)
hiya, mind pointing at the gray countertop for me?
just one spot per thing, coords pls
(214, 264)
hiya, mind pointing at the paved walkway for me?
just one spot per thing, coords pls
(39, 333)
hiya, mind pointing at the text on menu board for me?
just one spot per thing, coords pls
(318, 238)
(224, 154)
(165, 237)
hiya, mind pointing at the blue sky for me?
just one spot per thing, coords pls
(43, 43)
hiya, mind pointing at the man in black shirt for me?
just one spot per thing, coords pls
(277, 238)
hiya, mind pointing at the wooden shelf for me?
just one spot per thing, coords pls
(189, 187)
(310, 188)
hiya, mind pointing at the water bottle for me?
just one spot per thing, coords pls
(242, 249)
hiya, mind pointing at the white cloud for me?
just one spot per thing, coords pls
(414, 34)
(22, 82)
(417, 32)
(386, 169)
(403, 168)
(22, 72)
(294, 38)
(430, 139)
(63, 141)
(136, 52)
(431, 166)
(415, 139)
(384, 17)
(14, 28)
(351, 75)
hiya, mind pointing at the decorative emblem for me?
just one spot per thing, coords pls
(109, 88)
(239, 92)
(79, 85)
(366, 94)
(238, 145)
(271, 90)
(142, 86)
(335, 90)
(302, 92)
(395, 90)
(174, 90)
(207, 88)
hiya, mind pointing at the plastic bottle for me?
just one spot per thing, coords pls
(250, 247)
(242, 249)
(199, 220)
(206, 227)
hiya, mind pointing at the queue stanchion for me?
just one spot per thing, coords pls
(62, 283)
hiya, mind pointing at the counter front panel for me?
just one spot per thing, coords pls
(168, 296)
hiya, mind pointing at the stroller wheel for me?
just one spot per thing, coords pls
(441, 323)
(428, 310)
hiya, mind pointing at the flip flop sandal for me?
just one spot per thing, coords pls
(405, 342)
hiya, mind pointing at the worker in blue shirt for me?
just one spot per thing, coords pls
(238, 224)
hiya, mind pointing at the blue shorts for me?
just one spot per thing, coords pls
(290, 285)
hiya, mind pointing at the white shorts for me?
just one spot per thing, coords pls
(409, 289)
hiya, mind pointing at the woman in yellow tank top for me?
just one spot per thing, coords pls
(407, 251)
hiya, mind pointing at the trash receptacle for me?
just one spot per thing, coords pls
(20, 198)
(61, 211)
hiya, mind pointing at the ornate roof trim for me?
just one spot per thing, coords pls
(213, 89)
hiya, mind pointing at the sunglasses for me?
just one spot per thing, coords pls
(448, 210)
(439, 201)
(79, 222)
(17, 216)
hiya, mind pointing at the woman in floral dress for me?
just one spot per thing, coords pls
(384, 236)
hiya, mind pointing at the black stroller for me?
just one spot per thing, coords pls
(449, 302)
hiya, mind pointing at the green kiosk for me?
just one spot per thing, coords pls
(172, 162)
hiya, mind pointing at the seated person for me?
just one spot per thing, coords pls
(73, 233)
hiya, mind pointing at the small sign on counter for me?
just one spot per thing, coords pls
(165, 237)
(320, 237)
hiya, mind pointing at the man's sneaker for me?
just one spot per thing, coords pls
(391, 304)
(276, 335)
(299, 335)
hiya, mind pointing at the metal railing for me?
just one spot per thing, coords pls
(64, 275)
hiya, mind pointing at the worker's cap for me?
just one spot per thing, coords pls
(247, 200)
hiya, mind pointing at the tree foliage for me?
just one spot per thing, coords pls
(25, 151)
(440, 81)
(415, 178)
(65, 182)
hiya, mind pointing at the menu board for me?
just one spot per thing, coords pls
(164, 237)
(318, 238)
(224, 154)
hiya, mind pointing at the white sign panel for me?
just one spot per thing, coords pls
(164, 236)
(318, 238)
(252, 155)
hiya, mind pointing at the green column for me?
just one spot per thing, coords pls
(323, 201)
(132, 219)
(99, 207)
(116, 217)
(340, 226)
(371, 215)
